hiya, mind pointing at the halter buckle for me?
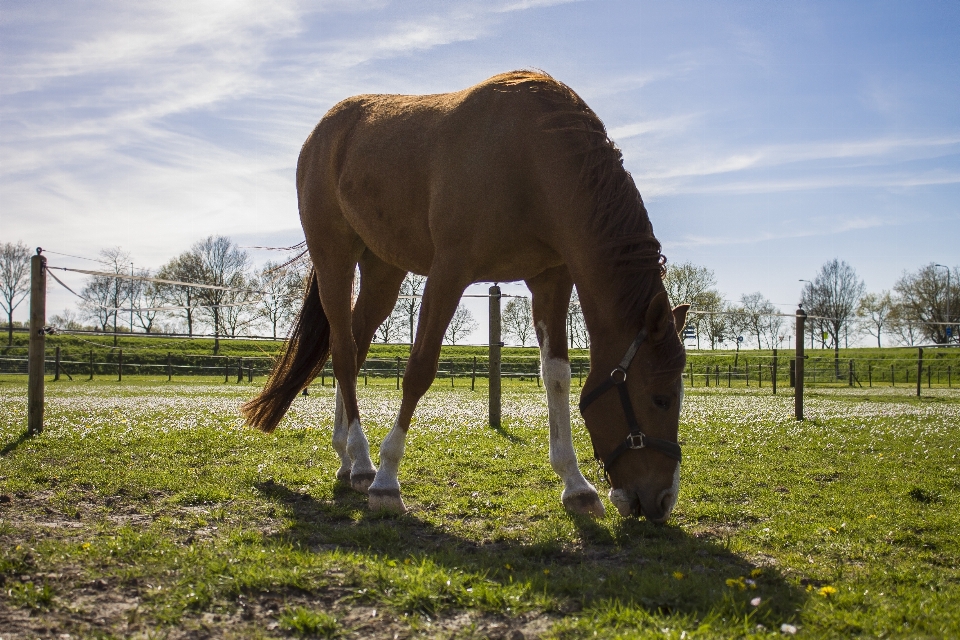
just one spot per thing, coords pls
(633, 439)
(622, 372)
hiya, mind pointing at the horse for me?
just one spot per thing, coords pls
(512, 179)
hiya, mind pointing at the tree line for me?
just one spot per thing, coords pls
(266, 300)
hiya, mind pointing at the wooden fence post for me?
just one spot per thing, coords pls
(249, 373)
(729, 379)
(494, 365)
(119, 365)
(893, 376)
(91, 364)
(226, 369)
(799, 358)
(870, 374)
(36, 354)
(774, 372)
(398, 373)
(691, 374)
(919, 368)
(56, 365)
(473, 378)
(239, 370)
(451, 374)
(169, 367)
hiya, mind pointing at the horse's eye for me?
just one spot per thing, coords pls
(662, 402)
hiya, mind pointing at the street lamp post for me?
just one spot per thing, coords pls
(811, 324)
(949, 326)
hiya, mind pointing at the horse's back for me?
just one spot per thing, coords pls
(407, 172)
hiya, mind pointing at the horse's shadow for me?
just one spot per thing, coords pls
(660, 568)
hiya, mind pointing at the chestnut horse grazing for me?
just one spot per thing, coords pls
(512, 179)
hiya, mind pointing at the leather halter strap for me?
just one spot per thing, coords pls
(636, 439)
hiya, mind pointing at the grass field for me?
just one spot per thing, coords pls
(147, 509)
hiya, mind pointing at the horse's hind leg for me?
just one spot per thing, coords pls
(551, 297)
(379, 288)
(441, 296)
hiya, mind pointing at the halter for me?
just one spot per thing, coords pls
(636, 439)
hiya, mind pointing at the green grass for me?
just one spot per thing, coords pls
(146, 507)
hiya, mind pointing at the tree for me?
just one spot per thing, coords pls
(222, 264)
(903, 325)
(411, 290)
(756, 315)
(873, 311)
(145, 299)
(686, 282)
(576, 327)
(14, 279)
(68, 321)
(391, 329)
(834, 295)
(517, 320)
(187, 267)
(923, 300)
(104, 296)
(280, 288)
(716, 323)
(461, 325)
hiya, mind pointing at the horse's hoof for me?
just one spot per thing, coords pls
(343, 475)
(585, 503)
(386, 500)
(361, 481)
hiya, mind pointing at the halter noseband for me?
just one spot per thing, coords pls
(636, 439)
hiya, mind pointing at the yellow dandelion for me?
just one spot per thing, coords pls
(809, 588)
(678, 575)
(85, 546)
(509, 568)
(406, 561)
(546, 572)
(832, 530)
(756, 573)
(872, 516)
(827, 591)
(737, 583)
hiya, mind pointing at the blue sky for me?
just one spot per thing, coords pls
(765, 137)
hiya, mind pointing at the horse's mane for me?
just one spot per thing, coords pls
(619, 216)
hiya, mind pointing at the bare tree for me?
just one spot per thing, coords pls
(461, 325)
(409, 302)
(903, 325)
(873, 311)
(517, 320)
(187, 267)
(104, 296)
(391, 329)
(280, 288)
(716, 323)
(68, 320)
(223, 265)
(923, 298)
(686, 282)
(14, 279)
(576, 327)
(145, 298)
(755, 314)
(834, 295)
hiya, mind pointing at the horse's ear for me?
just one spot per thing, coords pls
(660, 319)
(680, 316)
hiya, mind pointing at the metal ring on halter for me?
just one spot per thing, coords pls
(618, 370)
(636, 437)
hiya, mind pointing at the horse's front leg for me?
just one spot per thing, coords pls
(551, 297)
(440, 299)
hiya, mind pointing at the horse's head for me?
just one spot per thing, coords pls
(631, 407)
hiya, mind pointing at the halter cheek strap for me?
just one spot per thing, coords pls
(636, 439)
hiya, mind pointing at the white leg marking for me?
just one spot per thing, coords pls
(385, 490)
(340, 429)
(578, 494)
(362, 472)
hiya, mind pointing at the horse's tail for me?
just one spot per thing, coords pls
(302, 359)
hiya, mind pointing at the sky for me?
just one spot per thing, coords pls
(766, 138)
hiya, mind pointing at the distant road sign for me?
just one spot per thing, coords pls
(689, 333)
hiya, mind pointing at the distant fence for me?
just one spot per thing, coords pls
(751, 369)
